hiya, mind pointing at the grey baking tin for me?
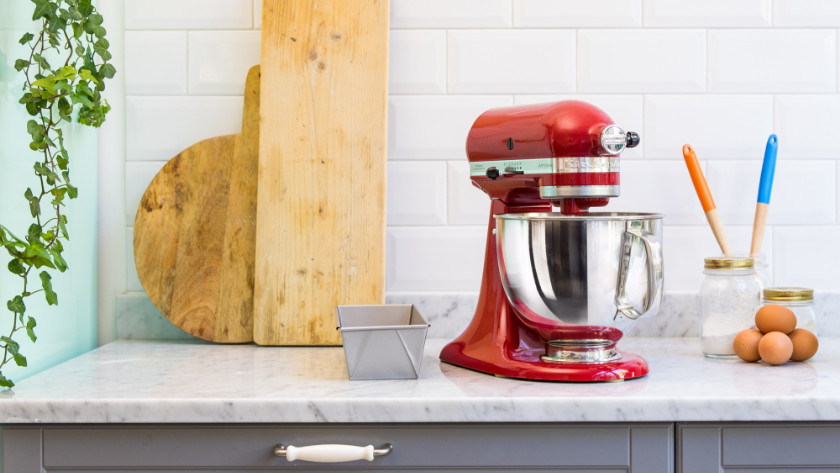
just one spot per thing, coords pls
(382, 341)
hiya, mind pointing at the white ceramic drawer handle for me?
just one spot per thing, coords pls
(331, 453)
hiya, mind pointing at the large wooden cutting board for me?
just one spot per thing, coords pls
(321, 193)
(194, 232)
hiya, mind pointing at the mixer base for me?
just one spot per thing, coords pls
(528, 364)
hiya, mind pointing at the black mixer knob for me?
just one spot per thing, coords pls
(492, 173)
(632, 139)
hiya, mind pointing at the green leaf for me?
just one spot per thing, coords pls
(43, 8)
(42, 170)
(100, 47)
(20, 360)
(36, 131)
(15, 240)
(41, 261)
(81, 98)
(92, 22)
(11, 345)
(88, 76)
(108, 71)
(21, 64)
(46, 283)
(34, 233)
(60, 263)
(30, 326)
(62, 225)
(16, 305)
(5, 382)
(16, 267)
(46, 83)
(65, 73)
(27, 37)
(72, 191)
(41, 60)
(85, 7)
(34, 204)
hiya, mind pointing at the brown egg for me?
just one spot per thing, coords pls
(805, 344)
(775, 318)
(746, 344)
(775, 348)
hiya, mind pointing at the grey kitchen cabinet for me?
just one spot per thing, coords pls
(236, 448)
(758, 447)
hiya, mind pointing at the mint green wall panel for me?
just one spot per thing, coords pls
(68, 329)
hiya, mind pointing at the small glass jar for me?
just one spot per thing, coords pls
(729, 298)
(798, 299)
(762, 270)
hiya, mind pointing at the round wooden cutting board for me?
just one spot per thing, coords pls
(194, 232)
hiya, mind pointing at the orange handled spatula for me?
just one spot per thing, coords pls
(705, 196)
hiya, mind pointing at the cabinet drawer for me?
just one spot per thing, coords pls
(505, 447)
(756, 447)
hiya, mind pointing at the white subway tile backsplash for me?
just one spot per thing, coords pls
(659, 187)
(468, 205)
(220, 60)
(807, 256)
(450, 13)
(416, 193)
(188, 14)
(632, 61)
(434, 258)
(772, 60)
(685, 247)
(720, 74)
(434, 127)
(155, 62)
(417, 62)
(735, 187)
(798, 187)
(511, 61)
(804, 125)
(138, 176)
(717, 126)
(807, 13)
(625, 110)
(158, 128)
(710, 13)
(132, 281)
(576, 14)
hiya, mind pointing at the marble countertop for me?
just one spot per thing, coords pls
(196, 382)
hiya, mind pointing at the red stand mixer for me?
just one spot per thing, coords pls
(558, 288)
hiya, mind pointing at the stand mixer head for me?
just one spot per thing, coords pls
(565, 153)
(558, 287)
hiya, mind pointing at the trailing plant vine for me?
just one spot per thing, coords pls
(65, 72)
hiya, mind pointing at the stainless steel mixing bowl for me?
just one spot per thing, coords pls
(598, 269)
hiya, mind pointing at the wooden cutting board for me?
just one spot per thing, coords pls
(194, 232)
(321, 192)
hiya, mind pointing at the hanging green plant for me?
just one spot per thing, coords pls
(64, 76)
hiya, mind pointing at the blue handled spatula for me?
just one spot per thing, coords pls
(765, 184)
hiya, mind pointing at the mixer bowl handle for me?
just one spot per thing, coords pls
(653, 296)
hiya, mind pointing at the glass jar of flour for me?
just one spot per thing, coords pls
(729, 298)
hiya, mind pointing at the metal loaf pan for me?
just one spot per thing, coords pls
(382, 341)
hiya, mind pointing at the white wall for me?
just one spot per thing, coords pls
(719, 74)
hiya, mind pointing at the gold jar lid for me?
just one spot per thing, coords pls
(729, 262)
(788, 294)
